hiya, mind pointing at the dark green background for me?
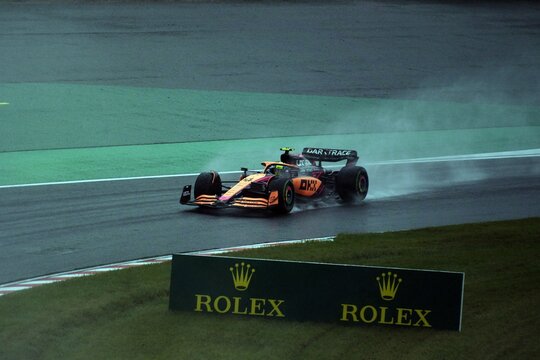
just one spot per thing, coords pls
(315, 292)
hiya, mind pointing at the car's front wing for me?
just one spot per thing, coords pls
(212, 201)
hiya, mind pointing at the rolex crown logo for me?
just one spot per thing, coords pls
(241, 274)
(388, 285)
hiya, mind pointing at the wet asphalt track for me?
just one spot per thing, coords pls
(385, 49)
(56, 228)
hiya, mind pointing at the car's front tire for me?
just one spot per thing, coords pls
(207, 183)
(286, 195)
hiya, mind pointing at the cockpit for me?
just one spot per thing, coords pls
(281, 170)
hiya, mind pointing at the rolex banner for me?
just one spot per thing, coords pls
(347, 294)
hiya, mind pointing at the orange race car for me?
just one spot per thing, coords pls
(296, 177)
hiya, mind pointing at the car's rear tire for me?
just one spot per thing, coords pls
(352, 182)
(207, 183)
(286, 195)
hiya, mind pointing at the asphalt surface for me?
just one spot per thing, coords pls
(55, 228)
(380, 49)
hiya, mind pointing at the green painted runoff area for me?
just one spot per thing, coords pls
(63, 132)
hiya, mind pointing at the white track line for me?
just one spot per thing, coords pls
(53, 278)
(471, 157)
(259, 246)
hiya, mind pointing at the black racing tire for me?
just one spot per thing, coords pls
(352, 182)
(286, 195)
(207, 183)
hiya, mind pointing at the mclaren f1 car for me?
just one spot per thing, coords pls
(295, 178)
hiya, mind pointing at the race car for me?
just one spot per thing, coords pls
(295, 178)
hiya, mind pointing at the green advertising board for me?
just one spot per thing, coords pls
(305, 291)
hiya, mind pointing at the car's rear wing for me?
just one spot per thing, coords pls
(333, 155)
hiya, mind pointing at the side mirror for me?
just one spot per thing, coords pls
(244, 174)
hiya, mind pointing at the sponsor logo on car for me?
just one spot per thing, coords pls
(328, 152)
(308, 184)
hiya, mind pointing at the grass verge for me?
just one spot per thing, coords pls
(124, 314)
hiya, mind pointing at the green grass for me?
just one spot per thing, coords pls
(124, 314)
